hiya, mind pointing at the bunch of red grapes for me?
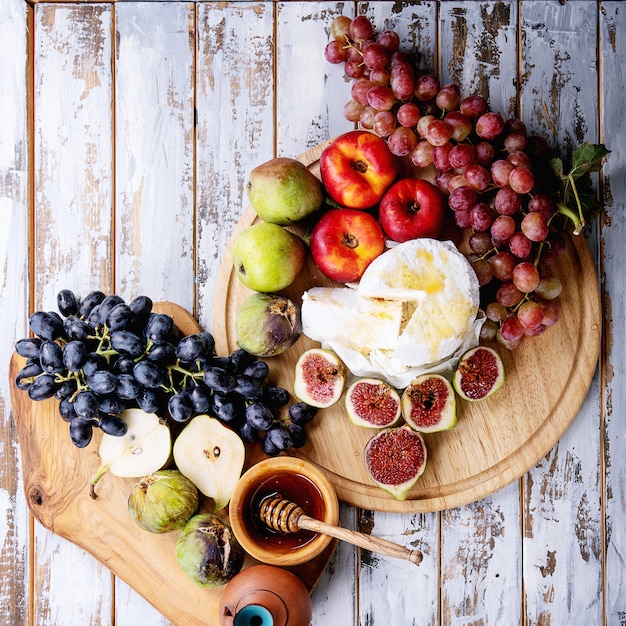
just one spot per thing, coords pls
(486, 166)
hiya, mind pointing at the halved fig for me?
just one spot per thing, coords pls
(373, 403)
(320, 378)
(395, 459)
(429, 404)
(479, 374)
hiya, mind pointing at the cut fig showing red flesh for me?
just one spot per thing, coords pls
(395, 458)
(373, 403)
(479, 374)
(429, 404)
(320, 377)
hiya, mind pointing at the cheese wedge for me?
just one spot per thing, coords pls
(339, 315)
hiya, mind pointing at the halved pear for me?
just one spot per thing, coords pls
(145, 448)
(211, 455)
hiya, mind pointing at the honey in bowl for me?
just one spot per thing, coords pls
(296, 488)
(297, 481)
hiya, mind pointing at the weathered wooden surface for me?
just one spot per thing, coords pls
(123, 166)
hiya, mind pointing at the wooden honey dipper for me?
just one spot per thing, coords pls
(285, 517)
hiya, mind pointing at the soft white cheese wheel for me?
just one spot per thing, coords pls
(415, 309)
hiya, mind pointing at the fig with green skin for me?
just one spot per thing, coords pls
(373, 403)
(479, 374)
(163, 501)
(320, 378)
(267, 324)
(208, 552)
(283, 191)
(429, 404)
(395, 458)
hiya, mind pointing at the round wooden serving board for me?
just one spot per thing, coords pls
(496, 440)
(56, 483)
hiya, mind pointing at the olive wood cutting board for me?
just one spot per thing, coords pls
(495, 441)
(56, 484)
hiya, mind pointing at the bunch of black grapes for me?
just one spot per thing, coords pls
(102, 355)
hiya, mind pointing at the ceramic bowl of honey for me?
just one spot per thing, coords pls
(292, 479)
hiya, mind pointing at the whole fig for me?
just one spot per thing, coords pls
(208, 552)
(163, 501)
(267, 324)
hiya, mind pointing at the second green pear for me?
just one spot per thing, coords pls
(267, 257)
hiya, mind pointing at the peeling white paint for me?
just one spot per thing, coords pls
(6, 508)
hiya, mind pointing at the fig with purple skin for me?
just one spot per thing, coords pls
(395, 458)
(320, 378)
(479, 374)
(373, 403)
(268, 324)
(208, 552)
(429, 404)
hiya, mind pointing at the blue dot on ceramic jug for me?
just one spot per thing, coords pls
(254, 615)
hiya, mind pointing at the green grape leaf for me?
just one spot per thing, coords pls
(587, 158)
(556, 165)
(577, 199)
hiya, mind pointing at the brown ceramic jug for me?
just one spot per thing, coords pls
(265, 595)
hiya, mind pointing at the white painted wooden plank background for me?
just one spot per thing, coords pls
(15, 166)
(147, 118)
(561, 495)
(612, 236)
(73, 240)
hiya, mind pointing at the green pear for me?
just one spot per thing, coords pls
(283, 191)
(267, 257)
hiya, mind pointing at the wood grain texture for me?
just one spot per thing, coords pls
(155, 152)
(395, 591)
(562, 500)
(72, 241)
(235, 128)
(613, 230)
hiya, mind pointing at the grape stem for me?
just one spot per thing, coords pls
(186, 376)
(577, 218)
